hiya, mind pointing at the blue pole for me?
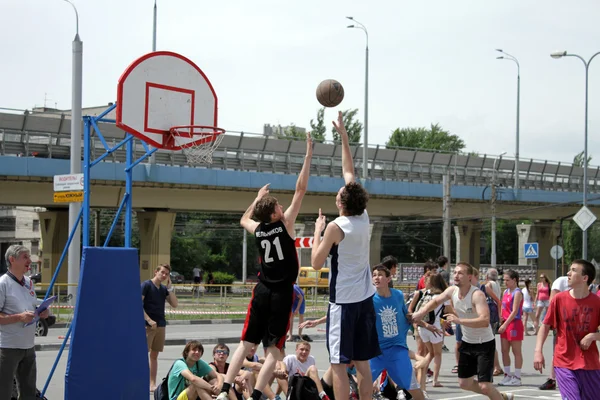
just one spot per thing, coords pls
(128, 189)
(86, 182)
(64, 254)
(62, 348)
(115, 220)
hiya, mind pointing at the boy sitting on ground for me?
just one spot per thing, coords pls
(191, 378)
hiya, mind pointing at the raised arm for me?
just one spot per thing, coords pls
(322, 246)
(301, 186)
(246, 221)
(347, 163)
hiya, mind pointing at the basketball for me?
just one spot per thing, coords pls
(330, 93)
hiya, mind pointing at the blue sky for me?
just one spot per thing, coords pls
(430, 62)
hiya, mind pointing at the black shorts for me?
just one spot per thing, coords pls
(197, 279)
(269, 314)
(477, 359)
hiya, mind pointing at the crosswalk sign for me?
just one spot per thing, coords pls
(531, 250)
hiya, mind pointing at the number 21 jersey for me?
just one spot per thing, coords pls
(278, 257)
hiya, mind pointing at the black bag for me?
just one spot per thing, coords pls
(302, 388)
(162, 391)
(494, 318)
(15, 393)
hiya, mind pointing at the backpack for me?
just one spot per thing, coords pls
(431, 315)
(494, 318)
(302, 388)
(15, 393)
(162, 391)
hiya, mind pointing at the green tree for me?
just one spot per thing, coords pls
(291, 132)
(433, 138)
(353, 127)
(578, 160)
(507, 242)
(318, 128)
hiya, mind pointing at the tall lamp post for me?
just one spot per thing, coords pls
(507, 56)
(366, 130)
(74, 253)
(560, 54)
(493, 201)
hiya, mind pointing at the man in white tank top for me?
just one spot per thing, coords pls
(478, 344)
(351, 320)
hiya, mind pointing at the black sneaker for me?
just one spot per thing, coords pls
(306, 338)
(445, 349)
(550, 384)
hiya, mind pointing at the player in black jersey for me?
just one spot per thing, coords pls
(271, 304)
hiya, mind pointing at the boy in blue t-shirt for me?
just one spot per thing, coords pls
(186, 378)
(392, 328)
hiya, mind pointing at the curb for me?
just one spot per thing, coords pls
(181, 322)
(174, 342)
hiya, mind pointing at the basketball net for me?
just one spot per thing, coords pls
(206, 140)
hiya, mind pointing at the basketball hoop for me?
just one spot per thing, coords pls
(200, 150)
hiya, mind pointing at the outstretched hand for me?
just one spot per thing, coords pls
(309, 145)
(320, 222)
(339, 126)
(264, 191)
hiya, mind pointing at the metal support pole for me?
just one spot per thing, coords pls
(97, 228)
(447, 238)
(128, 189)
(245, 257)
(494, 224)
(517, 172)
(584, 241)
(74, 256)
(366, 138)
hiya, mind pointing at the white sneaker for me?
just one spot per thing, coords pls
(223, 396)
(508, 396)
(505, 381)
(514, 381)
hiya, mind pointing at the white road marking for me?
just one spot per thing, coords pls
(529, 396)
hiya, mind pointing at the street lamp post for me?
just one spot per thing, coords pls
(493, 202)
(560, 54)
(366, 130)
(74, 253)
(507, 56)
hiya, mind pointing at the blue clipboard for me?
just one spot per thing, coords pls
(41, 308)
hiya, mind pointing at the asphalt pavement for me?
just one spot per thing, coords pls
(230, 332)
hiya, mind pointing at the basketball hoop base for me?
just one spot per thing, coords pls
(199, 151)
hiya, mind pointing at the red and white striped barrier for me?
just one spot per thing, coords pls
(304, 242)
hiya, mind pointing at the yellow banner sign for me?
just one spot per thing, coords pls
(68, 197)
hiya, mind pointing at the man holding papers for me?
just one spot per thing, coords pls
(17, 309)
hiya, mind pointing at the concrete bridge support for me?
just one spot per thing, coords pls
(55, 232)
(468, 242)
(156, 230)
(545, 234)
(375, 255)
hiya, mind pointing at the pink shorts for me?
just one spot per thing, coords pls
(514, 331)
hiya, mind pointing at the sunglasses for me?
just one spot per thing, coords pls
(222, 352)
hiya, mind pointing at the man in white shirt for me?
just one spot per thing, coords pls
(351, 324)
(17, 341)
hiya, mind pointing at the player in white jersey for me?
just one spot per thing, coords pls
(478, 343)
(351, 329)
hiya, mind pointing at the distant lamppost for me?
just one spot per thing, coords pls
(560, 54)
(366, 130)
(507, 56)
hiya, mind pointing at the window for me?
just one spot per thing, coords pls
(8, 224)
(36, 225)
(35, 247)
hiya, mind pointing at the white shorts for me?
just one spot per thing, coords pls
(427, 336)
(543, 303)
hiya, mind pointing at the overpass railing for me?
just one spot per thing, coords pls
(245, 152)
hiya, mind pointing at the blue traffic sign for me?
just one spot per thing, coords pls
(531, 250)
